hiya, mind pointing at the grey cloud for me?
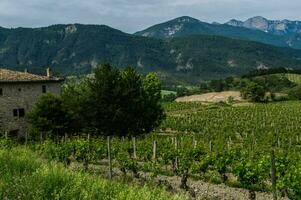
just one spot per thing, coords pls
(134, 15)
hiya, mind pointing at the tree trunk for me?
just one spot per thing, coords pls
(184, 179)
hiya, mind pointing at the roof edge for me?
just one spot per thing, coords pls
(34, 81)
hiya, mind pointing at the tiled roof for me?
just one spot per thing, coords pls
(15, 76)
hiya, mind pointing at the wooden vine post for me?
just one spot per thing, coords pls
(273, 166)
(195, 142)
(176, 158)
(26, 138)
(109, 157)
(134, 147)
(154, 150)
(273, 174)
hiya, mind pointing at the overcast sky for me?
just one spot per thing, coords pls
(134, 15)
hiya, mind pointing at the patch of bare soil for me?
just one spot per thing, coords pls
(213, 97)
(203, 190)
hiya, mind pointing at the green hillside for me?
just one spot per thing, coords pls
(214, 57)
(295, 78)
(185, 26)
(77, 49)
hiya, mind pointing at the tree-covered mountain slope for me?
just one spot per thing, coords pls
(74, 49)
(185, 26)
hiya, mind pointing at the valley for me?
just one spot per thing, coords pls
(162, 107)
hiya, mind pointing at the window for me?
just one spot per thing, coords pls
(19, 90)
(19, 112)
(1, 92)
(44, 90)
(15, 112)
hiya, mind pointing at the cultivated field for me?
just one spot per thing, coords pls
(296, 78)
(199, 151)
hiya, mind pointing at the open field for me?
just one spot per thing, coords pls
(213, 97)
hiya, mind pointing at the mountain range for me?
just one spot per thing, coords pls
(283, 33)
(183, 50)
(277, 27)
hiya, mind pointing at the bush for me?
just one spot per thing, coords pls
(295, 93)
(254, 92)
(169, 97)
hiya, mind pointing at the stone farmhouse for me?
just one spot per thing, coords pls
(18, 93)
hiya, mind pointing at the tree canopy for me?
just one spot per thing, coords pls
(50, 114)
(124, 103)
(113, 102)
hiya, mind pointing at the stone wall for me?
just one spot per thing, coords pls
(21, 96)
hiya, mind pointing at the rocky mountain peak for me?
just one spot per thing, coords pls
(234, 22)
(277, 27)
(257, 22)
(185, 19)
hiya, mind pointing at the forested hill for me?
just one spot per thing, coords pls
(185, 26)
(73, 49)
(76, 48)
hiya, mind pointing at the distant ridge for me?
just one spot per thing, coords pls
(277, 27)
(77, 49)
(255, 29)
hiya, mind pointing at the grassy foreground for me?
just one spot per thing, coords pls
(23, 175)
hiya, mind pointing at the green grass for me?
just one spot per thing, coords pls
(24, 175)
(167, 92)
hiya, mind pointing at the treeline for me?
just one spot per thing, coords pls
(263, 88)
(261, 72)
(260, 86)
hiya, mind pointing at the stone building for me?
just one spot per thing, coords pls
(18, 93)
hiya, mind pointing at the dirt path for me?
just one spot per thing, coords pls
(204, 190)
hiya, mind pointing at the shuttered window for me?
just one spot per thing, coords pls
(19, 112)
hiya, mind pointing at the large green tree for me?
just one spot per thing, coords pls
(75, 94)
(113, 102)
(123, 103)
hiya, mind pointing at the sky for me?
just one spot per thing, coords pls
(134, 15)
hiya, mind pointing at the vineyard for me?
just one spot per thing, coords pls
(256, 147)
(296, 78)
